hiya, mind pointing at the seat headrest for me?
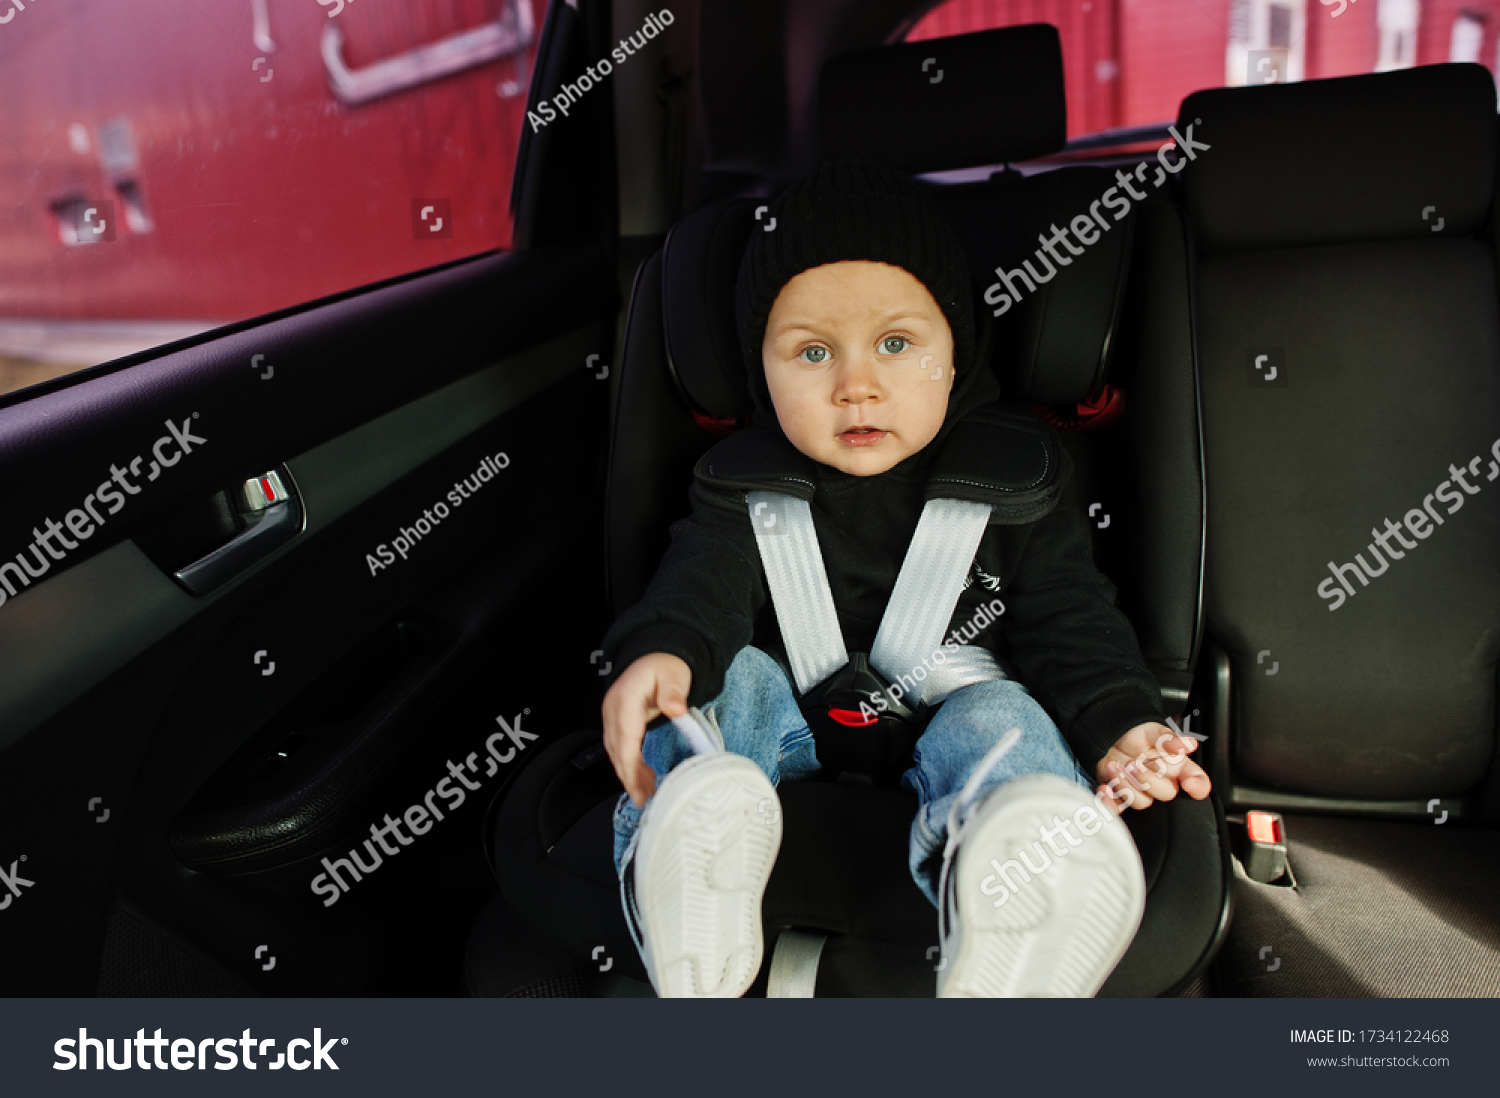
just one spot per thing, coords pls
(699, 268)
(1052, 347)
(987, 98)
(1351, 159)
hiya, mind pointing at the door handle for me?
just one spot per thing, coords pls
(510, 34)
(271, 506)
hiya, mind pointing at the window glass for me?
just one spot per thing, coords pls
(169, 167)
(1129, 63)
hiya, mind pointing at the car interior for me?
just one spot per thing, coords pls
(207, 709)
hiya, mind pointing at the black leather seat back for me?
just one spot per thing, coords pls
(1336, 230)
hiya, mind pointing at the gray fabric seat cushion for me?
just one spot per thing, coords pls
(1381, 909)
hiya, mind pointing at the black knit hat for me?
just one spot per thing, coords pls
(851, 210)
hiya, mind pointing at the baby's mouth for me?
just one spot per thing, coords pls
(862, 436)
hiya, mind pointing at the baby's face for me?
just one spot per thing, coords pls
(859, 362)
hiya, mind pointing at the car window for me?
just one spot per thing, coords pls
(167, 168)
(1129, 63)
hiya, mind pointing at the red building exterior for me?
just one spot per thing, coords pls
(168, 167)
(236, 173)
(1131, 62)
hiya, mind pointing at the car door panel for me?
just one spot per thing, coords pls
(48, 667)
(123, 696)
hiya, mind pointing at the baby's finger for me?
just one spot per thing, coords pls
(1166, 767)
(1174, 748)
(645, 783)
(625, 715)
(1119, 793)
(1194, 781)
(1141, 776)
(1124, 794)
(1184, 774)
(671, 699)
(1113, 799)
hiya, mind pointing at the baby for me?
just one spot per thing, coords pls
(856, 317)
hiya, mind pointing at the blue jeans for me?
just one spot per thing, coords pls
(758, 714)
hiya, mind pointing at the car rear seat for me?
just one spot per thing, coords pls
(1343, 234)
(550, 837)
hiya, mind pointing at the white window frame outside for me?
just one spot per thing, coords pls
(1237, 54)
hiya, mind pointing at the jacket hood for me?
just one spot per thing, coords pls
(974, 386)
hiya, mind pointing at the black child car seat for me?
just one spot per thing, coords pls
(841, 879)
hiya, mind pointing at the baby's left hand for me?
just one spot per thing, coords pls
(1148, 764)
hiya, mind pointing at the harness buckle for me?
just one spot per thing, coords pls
(859, 725)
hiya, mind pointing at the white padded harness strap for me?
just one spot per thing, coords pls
(794, 964)
(799, 586)
(927, 588)
(908, 646)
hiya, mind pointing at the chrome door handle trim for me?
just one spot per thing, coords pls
(274, 520)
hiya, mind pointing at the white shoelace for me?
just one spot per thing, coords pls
(958, 818)
(701, 731)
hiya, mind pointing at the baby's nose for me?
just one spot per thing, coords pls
(858, 375)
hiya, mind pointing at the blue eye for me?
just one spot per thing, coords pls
(888, 340)
(820, 355)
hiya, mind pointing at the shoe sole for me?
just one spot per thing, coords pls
(706, 851)
(1062, 932)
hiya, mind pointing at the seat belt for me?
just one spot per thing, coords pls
(908, 645)
(799, 586)
(910, 637)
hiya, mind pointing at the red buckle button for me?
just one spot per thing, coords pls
(853, 718)
(1262, 827)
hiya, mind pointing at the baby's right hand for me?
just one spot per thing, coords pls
(653, 685)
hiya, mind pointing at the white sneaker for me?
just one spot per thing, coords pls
(708, 840)
(1041, 924)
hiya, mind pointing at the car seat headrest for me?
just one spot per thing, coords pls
(1357, 158)
(987, 98)
(700, 265)
(1052, 347)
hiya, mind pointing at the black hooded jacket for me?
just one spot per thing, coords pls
(1060, 630)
